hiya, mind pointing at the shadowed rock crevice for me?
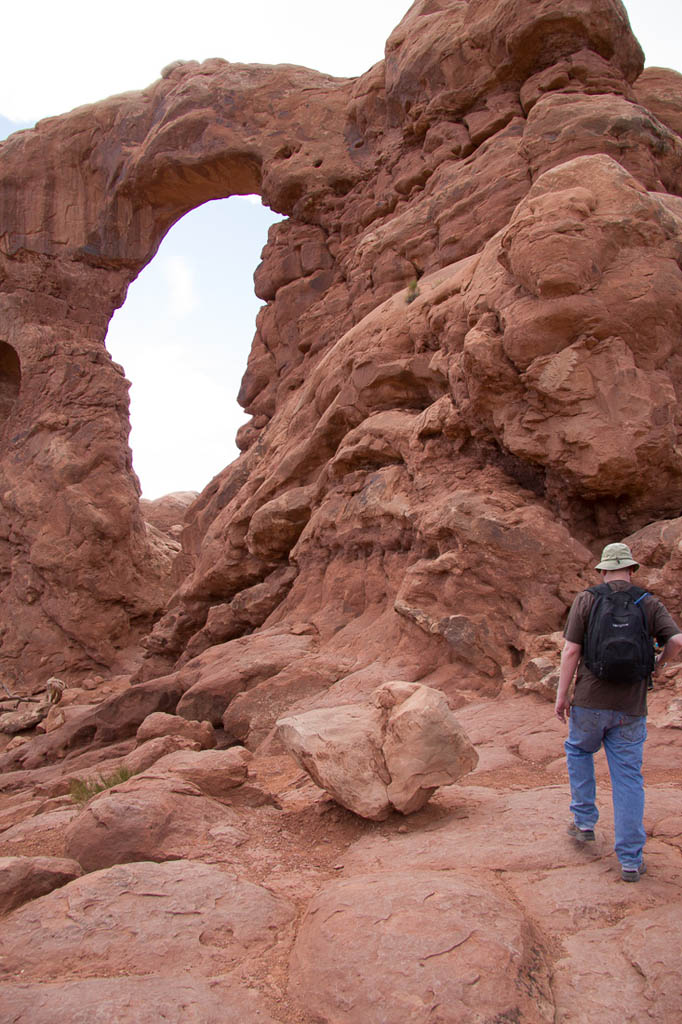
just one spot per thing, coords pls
(10, 380)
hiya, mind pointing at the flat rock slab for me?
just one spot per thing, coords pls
(141, 919)
(515, 831)
(505, 723)
(587, 895)
(418, 947)
(152, 1000)
(629, 972)
(662, 817)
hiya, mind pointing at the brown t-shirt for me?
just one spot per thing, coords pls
(591, 692)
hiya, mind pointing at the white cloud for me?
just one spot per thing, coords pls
(182, 293)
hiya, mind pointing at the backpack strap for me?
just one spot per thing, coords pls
(604, 590)
(636, 593)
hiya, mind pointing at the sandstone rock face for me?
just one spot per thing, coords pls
(660, 91)
(214, 772)
(252, 714)
(510, 164)
(167, 514)
(190, 915)
(226, 670)
(134, 1001)
(151, 818)
(392, 755)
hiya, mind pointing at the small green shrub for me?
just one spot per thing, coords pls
(82, 790)
(412, 291)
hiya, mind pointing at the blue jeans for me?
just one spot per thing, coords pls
(623, 738)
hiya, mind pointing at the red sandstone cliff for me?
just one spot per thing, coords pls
(421, 480)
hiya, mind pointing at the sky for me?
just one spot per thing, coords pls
(184, 332)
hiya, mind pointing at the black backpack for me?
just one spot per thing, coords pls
(618, 646)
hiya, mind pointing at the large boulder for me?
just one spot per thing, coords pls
(25, 878)
(223, 671)
(161, 724)
(41, 833)
(214, 772)
(152, 819)
(424, 746)
(392, 754)
(418, 946)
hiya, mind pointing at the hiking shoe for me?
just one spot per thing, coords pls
(633, 874)
(582, 835)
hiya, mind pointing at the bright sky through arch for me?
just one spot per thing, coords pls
(68, 54)
(183, 337)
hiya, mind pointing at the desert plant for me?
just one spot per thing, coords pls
(412, 291)
(82, 790)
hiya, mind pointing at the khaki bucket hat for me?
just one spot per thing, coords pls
(617, 556)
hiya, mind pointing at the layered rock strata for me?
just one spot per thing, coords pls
(467, 355)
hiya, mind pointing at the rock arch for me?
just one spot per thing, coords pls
(85, 200)
(412, 169)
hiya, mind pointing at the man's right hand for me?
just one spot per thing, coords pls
(570, 656)
(562, 709)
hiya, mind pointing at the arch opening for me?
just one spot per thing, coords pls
(183, 337)
(10, 379)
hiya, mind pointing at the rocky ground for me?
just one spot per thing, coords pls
(246, 894)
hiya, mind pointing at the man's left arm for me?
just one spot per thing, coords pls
(667, 633)
(670, 651)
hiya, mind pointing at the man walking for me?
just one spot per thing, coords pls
(612, 710)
